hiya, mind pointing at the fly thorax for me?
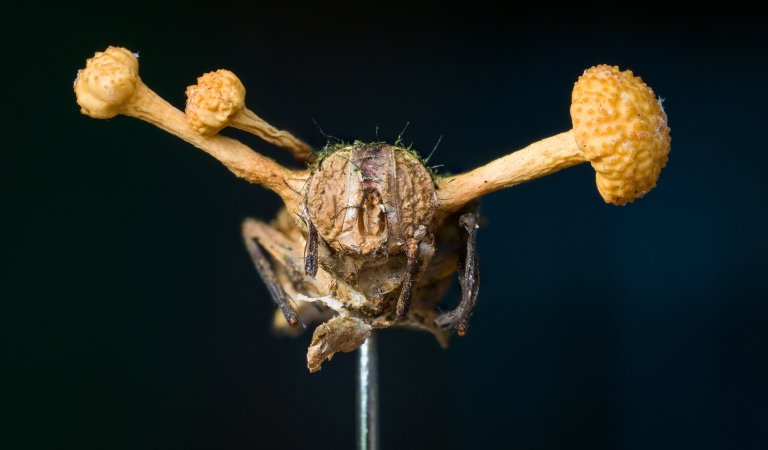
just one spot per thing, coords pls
(369, 199)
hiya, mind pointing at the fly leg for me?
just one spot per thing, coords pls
(254, 230)
(469, 279)
(310, 252)
(411, 272)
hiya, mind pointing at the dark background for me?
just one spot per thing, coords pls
(135, 319)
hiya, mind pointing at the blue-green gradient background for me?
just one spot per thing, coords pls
(136, 320)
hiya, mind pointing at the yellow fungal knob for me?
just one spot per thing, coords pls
(622, 129)
(215, 98)
(107, 82)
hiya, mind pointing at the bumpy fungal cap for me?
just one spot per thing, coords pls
(107, 82)
(215, 98)
(622, 129)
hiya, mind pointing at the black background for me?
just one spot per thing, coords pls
(136, 320)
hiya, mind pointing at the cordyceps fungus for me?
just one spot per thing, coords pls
(619, 126)
(218, 100)
(110, 85)
(368, 237)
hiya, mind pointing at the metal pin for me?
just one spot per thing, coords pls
(368, 395)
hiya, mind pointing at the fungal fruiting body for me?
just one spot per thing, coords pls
(213, 101)
(369, 238)
(622, 129)
(107, 83)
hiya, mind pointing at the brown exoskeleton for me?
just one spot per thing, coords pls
(369, 238)
(363, 254)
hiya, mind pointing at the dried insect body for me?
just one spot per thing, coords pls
(373, 262)
(368, 237)
(371, 203)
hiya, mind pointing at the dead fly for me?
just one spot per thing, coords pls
(369, 237)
